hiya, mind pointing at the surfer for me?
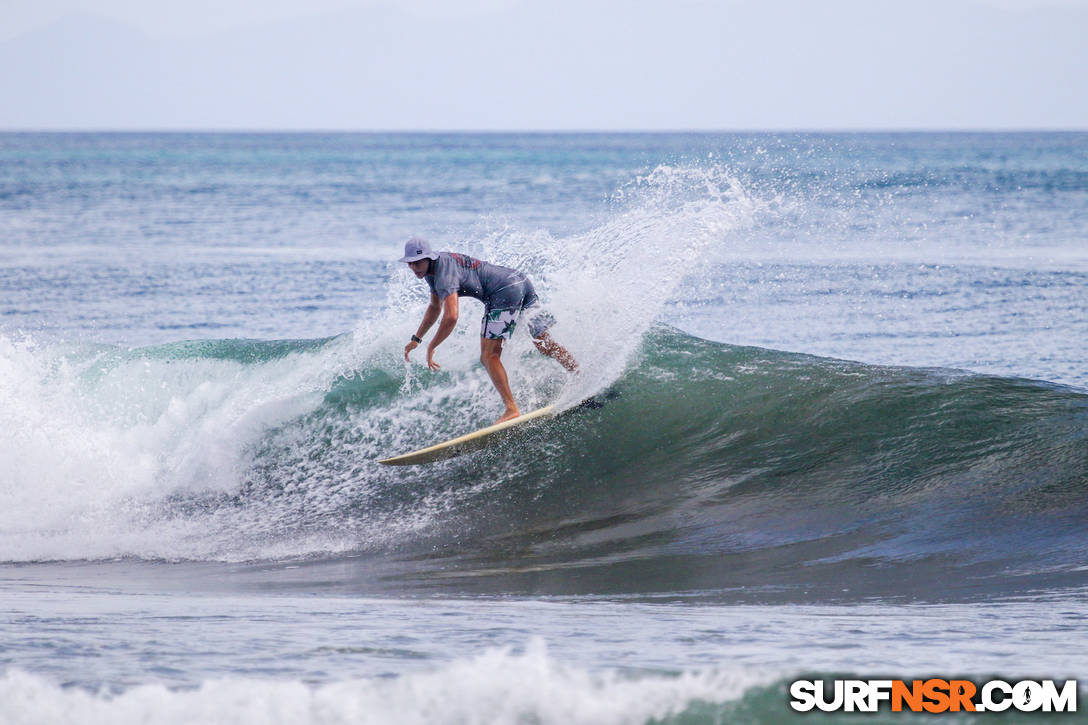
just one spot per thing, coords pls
(506, 294)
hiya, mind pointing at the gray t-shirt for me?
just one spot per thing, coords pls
(497, 287)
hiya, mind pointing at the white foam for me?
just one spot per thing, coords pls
(497, 687)
(94, 444)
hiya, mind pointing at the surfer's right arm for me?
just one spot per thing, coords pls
(429, 316)
(449, 321)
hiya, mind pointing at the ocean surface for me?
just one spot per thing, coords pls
(844, 428)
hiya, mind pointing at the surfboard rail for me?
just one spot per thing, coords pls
(467, 443)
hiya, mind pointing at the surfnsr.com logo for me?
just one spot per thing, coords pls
(933, 695)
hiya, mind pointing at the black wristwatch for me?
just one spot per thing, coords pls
(417, 340)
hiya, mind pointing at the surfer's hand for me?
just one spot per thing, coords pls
(430, 359)
(408, 348)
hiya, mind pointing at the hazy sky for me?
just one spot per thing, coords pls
(561, 64)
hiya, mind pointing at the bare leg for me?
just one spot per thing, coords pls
(490, 350)
(547, 346)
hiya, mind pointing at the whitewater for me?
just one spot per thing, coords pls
(845, 424)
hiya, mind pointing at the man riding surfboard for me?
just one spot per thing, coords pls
(506, 294)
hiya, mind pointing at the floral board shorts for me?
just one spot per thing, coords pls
(504, 309)
(499, 324)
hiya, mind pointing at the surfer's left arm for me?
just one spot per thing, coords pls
(445, 327)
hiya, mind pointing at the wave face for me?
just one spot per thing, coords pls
(716, 469)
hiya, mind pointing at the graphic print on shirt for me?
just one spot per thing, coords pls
(466, 262)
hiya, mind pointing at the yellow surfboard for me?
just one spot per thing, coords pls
(467, 443)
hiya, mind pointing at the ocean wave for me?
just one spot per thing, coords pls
(714, 468)
(497, 687)
(710, 468)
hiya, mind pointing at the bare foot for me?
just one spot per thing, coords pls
(508, 415)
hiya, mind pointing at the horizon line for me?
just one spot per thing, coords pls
(544, 131)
